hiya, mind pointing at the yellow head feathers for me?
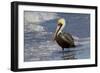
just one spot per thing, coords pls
(61, 21)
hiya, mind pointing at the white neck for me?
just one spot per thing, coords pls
(61, 29)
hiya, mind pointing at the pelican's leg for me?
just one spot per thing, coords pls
(63, 49)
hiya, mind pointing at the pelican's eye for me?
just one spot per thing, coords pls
(59, 24)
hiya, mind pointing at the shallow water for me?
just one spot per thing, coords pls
(44, 49)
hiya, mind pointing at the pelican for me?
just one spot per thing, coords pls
(64, 40)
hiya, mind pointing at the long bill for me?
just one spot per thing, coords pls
(57, 30)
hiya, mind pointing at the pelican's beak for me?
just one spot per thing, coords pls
(57, 30)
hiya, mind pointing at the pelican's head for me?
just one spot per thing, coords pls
(61, 22)
(60, 26)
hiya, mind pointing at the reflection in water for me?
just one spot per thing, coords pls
(67, 55)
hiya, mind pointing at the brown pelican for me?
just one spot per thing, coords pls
(64, 40)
